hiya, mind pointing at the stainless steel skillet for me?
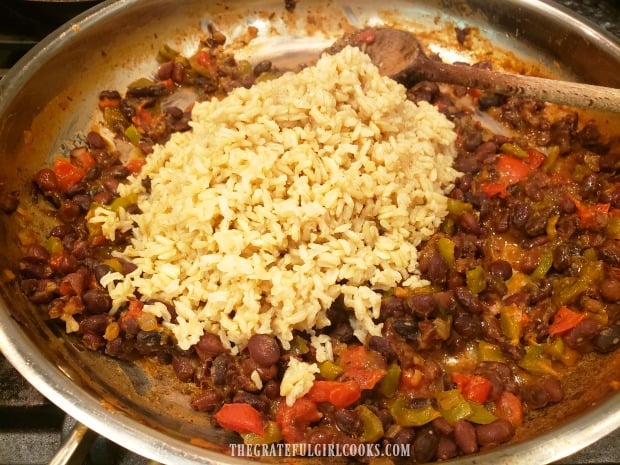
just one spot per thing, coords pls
(51, 94)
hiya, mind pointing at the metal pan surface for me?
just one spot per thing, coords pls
(51, 94)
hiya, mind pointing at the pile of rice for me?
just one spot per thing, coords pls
(282, 198)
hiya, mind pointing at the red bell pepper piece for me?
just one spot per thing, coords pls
(294, 419)
(511, 170)
(473, 387)
(564, 320)
(340, 394)
(366, 367)
(535, 158)
(68, 174)
(240, 417)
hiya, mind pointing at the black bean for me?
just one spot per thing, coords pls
(406, 328)
(422, 305)
(148, 342)
(95, 141)
(501, 268)
(581, 334)
(209, 344)
(257, 401)
(390, 306)
(97, 300)
(264, 349)
(607, 340)
(437, 269)
(498, 371)
(95, 324)
(465, 436)
(467, 325)
(520, 214)
(610, 289)
(219, 369)
(206, 401)
(610, 252)
(468, 300)
(348, 421)
(93, 341)
(46, 180)
(446, 448)
(497, 432)
(183, 367)
(343, 331)
(445, 300)
(37, 253)
(39, 291)
(553, 388)
(35, 268)
(100, 270)
(68, 211)
(382, 345)
(535, 396)
(425, 445)
(271, 389)
(83, 201)
(469, 222)
(67, 264)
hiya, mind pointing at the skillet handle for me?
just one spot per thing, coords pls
(75, 448)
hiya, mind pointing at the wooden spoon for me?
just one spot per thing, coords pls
(399, 55)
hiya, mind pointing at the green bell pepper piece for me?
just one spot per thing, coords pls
(476, 279)
(271, 435)
(329, 370)
(389, 383)
(480, 414)
(372, 427)
(405, 416)
(453, 406)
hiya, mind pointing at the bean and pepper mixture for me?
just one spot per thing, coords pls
(524, 275)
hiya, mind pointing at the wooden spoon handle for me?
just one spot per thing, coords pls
(549, 90)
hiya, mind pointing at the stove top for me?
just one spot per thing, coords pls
(32, 429)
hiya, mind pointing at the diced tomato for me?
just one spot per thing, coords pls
(365, 378)
(142, 118)
(135, 165)
(340, 394)
(512, 170)
(366, 36)
(68, 174)
(294, 419)
(364, 366)
(473, 387)
(240, 417)
(588, 213)
(564, 320)
(134, 308)
(495, 188)
(535, 158)
(509, 407)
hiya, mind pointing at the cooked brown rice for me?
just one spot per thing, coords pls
(283, 197)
